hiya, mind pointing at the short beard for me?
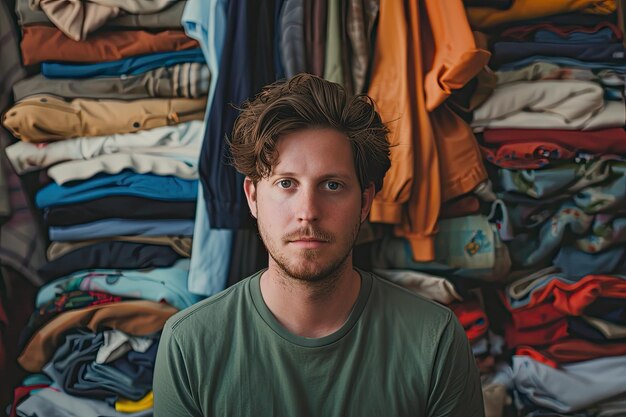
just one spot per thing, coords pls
(323, 279)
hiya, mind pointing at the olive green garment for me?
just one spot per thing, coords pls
(397, 354)
(333, 70)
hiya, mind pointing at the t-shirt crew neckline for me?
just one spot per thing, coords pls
(272, 322)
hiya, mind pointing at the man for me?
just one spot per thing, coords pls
(310, 335)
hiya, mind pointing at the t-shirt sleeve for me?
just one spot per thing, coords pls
(455, 389)
(172, 383)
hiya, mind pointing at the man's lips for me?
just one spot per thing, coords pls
(308, 242)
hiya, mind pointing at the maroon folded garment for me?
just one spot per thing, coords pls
(43, 43)
(611, 141)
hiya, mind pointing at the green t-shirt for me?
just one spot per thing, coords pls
(398, 354)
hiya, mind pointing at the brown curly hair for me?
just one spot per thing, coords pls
(302, 102)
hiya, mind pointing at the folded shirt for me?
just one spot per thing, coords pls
(121, 227)
(113, 255)
(76, 20)
(575, 105)
(65, 172)
(124, 184)
(602, 141)
(190, 80)
(156, 284)
(52, 402)
(45, 118)
(528, 155)
(121, 207)
(550, 32)
(44, 43)
(138, 318)
(504, 52)
(521, 10)
(545, 71)
(180, 244)
(564, 61)
(169, 18)
(128, 66)
(180, 140)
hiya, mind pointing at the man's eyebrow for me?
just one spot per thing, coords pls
(334, 174)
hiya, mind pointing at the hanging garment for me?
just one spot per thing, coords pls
(425, 167)
(291, 37)
(46, 118)
(315, 29)
(211, 253)
(360, 21)
(42, 43)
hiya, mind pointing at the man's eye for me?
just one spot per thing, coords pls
(284, 183)
(333, 186)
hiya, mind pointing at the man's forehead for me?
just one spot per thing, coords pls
(323, 151)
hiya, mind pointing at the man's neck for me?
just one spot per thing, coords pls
(311, 309)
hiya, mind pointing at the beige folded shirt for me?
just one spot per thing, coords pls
(45, 118)
(429, 286)
(549, 104)
(180, 244)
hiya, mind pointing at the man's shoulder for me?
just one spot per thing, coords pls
(396, 301)
(217, 309)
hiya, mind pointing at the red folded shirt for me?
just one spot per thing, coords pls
(603, 141)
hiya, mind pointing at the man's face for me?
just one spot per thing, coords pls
(310, 209)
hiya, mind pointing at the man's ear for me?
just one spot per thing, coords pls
(250, 189)
(367, 197)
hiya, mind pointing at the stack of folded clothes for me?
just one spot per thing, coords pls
(553, 135)
(113, 127)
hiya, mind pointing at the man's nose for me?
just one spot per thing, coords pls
(307, 205)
